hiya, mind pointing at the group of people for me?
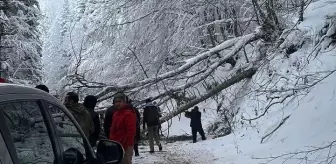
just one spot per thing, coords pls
(84, 113)
(121, 123)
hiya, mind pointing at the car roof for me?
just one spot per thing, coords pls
(6, 88)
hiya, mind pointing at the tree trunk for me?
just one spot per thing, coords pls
(301, 10)
(258, 11)
(235, 79)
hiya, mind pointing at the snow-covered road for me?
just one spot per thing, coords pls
(174, 153)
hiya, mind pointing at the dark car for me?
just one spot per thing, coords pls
(36, 128)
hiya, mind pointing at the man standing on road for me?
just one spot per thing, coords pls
(151, 118)
(90, 102)
(79, 112)
(160, 115)
(123, 126)
(195, 123)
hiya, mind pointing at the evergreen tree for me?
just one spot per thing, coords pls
(20, 41)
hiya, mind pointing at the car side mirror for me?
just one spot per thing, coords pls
(110, 152)
(72, 156)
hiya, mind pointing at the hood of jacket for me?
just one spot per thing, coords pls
(195, 110)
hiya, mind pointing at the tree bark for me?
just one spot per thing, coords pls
(235, 79)
(301, 10)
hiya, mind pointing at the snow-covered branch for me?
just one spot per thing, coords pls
(238, 44)
(230, 20)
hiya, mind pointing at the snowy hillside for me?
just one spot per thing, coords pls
(280, 121)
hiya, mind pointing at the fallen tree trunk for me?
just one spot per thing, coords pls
(237, 44)
(235, 79)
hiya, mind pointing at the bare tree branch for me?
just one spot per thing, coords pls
(305, 153)
(136, 57)
(269, 106)
(281, 123)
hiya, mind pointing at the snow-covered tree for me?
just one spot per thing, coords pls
(174, 50)
(58, 48)
(20, 41)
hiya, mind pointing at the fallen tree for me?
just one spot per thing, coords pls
(237, 43)
(233, 80)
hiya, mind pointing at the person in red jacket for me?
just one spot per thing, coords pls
(123, 128)
(3, 80)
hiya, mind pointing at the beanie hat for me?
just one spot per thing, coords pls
(120, 95)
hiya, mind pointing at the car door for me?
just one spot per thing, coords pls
(5, 158)
(27, 133)
(67, 132)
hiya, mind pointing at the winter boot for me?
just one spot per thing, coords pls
(160, 147)
(152, 151)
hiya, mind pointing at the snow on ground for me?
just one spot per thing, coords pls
(173, 153)
(311, 122)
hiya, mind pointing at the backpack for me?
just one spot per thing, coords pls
(152, 115)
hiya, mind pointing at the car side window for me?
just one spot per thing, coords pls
(67, 131)
(28, 131)
(4, 154)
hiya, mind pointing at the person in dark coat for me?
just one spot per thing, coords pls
(151, 118)
(137, 136)
(79, 112)
(108, 120)
(160, 115)
(90, 102)
(195, 123)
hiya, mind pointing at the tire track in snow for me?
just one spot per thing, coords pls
(174, 153)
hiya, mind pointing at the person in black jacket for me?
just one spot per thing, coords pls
(90, 102)
(160, 115)
(151, 118)
(108, 120)
(137, 136)
(195, 123)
